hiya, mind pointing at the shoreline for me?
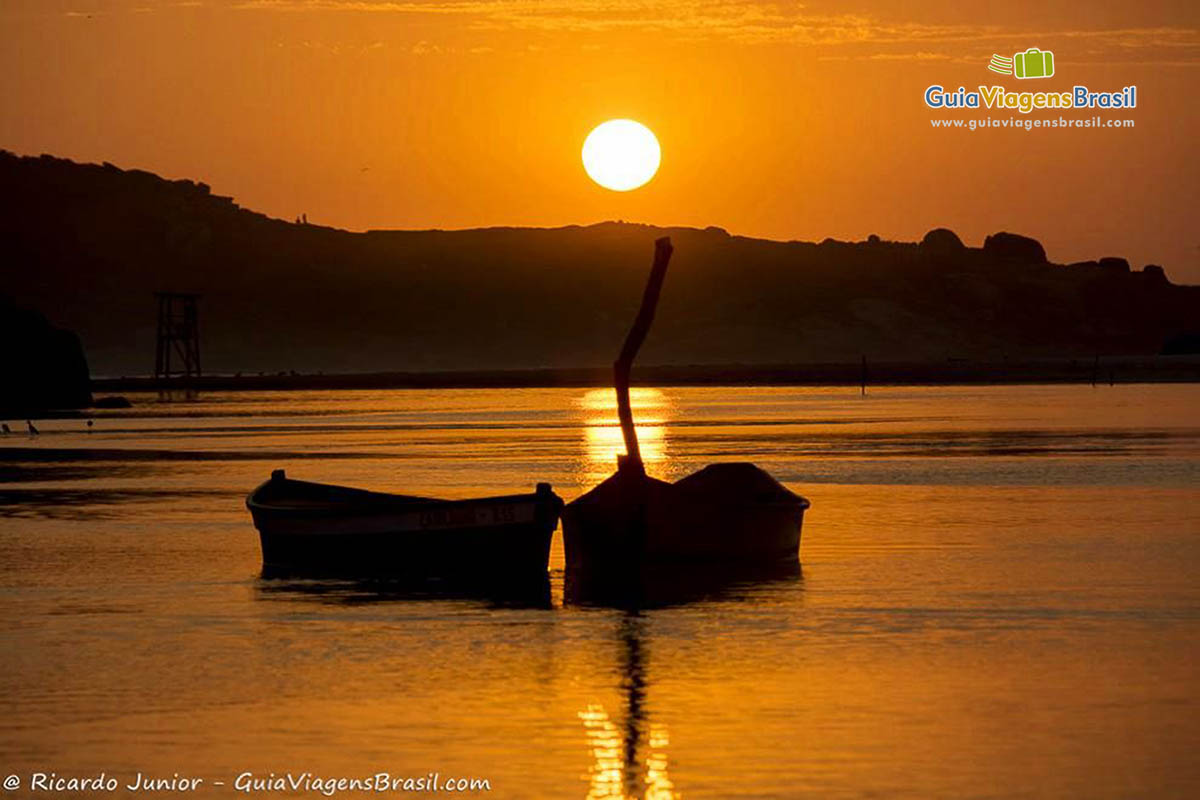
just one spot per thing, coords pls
(1130, 369)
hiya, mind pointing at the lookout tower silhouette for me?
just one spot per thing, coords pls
(178, 350)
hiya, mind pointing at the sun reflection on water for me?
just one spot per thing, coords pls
(658, 785)
(608, 767)
(603, 442)
(609, 777)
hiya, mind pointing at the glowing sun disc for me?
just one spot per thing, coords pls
(621, 154)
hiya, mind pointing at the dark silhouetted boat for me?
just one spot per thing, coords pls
(317, 529)
(725, 514)
(733, 514)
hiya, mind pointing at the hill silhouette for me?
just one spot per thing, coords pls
(89, 244)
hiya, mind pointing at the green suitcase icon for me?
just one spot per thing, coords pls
(1033, 63)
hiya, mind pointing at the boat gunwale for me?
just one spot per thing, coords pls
(377, 502)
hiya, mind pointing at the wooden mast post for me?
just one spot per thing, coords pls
(632, 460)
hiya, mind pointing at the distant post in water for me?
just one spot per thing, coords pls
(178, 348)
(632, 460)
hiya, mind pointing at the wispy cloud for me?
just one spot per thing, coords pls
(761, 22)
(333, 47)
(785, 22)
(865, 36)
(920, 55)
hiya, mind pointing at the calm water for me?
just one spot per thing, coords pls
(999, 599)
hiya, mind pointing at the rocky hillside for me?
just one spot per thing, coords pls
(91, 244)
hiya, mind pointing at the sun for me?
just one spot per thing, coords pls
(621, 154)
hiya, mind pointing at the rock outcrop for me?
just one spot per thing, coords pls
(44, 367)
(1155, 275)
(942, 242)
(1015, 247)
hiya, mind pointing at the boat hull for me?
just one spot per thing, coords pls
(724, 515)
(317, 529)
(724, 534)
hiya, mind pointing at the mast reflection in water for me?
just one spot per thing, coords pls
(629, 763)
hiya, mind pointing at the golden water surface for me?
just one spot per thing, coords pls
(999, 598)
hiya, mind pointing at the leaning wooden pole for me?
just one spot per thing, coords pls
(632, 460)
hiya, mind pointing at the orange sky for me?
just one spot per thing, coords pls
(779, 120)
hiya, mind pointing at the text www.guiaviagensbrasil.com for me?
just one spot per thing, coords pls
(1025, 124)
